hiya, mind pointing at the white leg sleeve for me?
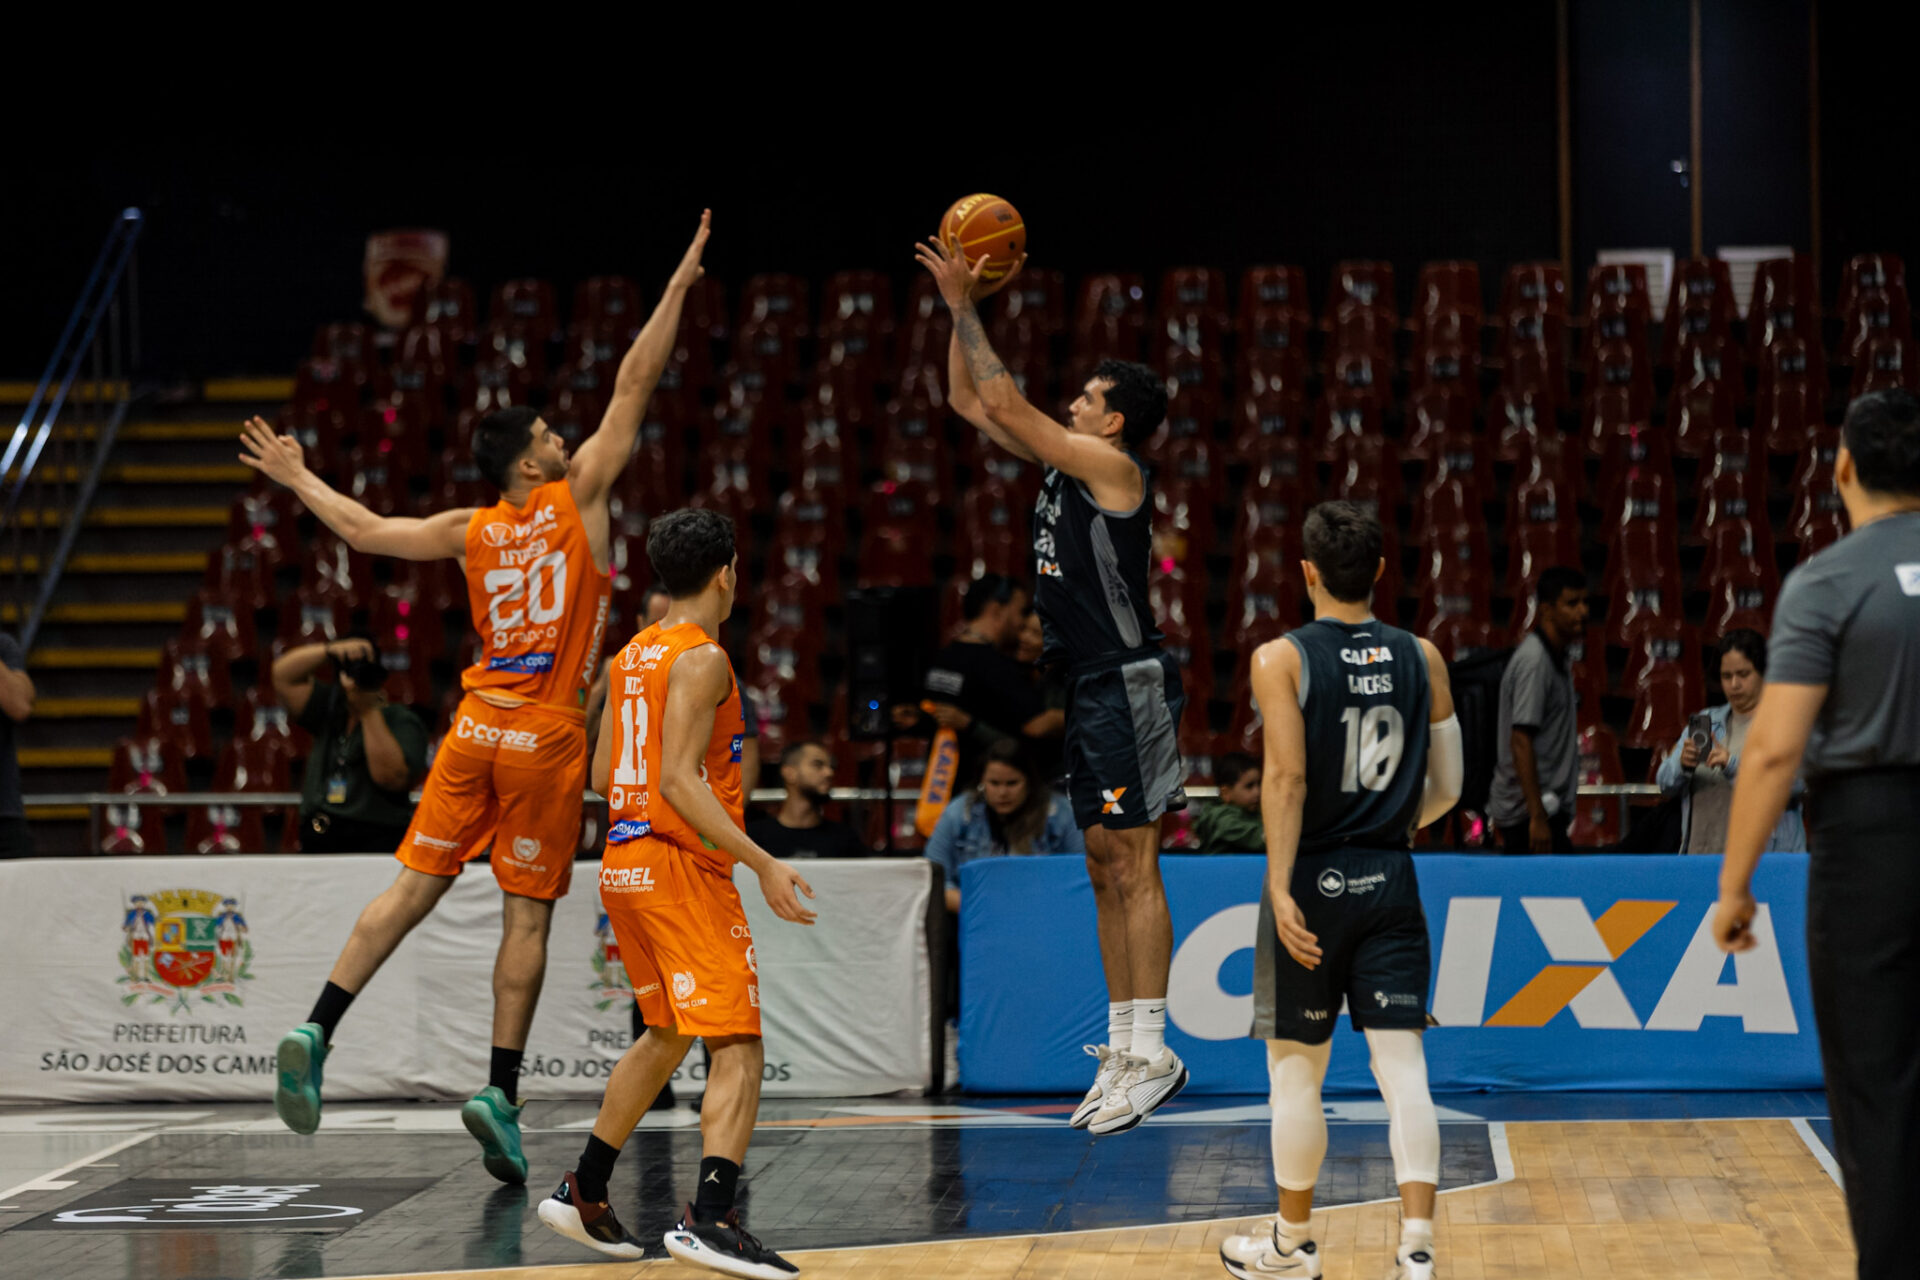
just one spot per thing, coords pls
(1413, 1127)
(1299, 1124)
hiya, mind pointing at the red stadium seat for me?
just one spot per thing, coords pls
(1636, 464)
(1267, 421)
(379, 483)
(898, 532)
(1264, 600)
(1111, 318)
(1875, 313)
(1183, 524)
(1433, 412)
(1368, 283)
(1276, 336)
(1619, 394)
(1517, 419)
(1728, 494)
(146, 765)
(1272, 286)
(777, 298)
(1448, 286)
(1359, 330)
(449, 308)
(241, 574)
(1273, 503)
(1666, 643)
(1448, 363)
(180, 714)
(1739, 596)
(133, 829)
(1735, 545)
(528, 302)
(225, 828)
(611, 299)
(1887, 363)
(1596, 820)
(1534, 286)
(1867, 271)
(1792, 403)
(1366, 469)
(1661, 706)
(1346, 415)
(1459, 636)
(1699, 408)
(1611, 285)
(1700, 288)
(1785, 302)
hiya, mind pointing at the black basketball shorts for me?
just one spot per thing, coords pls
(1122, 747)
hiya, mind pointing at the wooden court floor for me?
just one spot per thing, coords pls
(1740, 1199)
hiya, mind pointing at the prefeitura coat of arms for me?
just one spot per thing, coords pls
(182, 947)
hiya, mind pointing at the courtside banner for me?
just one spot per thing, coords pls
(174, 978)
(1549, 973)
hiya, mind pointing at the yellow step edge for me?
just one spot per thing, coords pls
(108, 611)
(158, 473)
(89, 659)
(136, 518)
(164, 432)
(85, 708)
(57, 813)
(118, 562)
(230, 389)
(66, 757)
(21, 392)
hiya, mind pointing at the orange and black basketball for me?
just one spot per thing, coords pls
(988, 227)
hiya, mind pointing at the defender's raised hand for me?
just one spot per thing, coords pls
(279, 458)
(690, 269)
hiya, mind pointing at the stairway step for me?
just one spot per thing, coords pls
(158, 473)
(22, 392)
(161, 432)
(118, 562)
(89, 611)
(65, 757)
(208, 517)
(85, 708)
(229, 390)
(57, 813)
(93, 659)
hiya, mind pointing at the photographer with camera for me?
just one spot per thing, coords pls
(1703, 764)
(366, 752)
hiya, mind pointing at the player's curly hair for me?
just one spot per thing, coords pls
(499, 440)
(687, 547)
(1882, 432)
(1138, 395)
(1344, 542)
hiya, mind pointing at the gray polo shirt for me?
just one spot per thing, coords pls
(1849, 619)
(1536, 693)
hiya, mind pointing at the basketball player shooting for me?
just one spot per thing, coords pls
(510, 774)
(1362, 749)
(1092, 543)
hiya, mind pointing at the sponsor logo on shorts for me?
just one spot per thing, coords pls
(1366, 884)
(742, 931)
(421, 837)
(753, 994)
(1332, 883)
(632, 879)
(527, 662)
(1395, 1000)
(1112, 799)
(752, 964)
(628, 829)
(492, 735)
(526, 848)
(648, 990)
(1314, 1015)
(682, 986)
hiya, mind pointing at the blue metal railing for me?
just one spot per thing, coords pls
(48, 504)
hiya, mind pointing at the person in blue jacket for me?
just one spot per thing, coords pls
(1704, 779)
(1011, 813)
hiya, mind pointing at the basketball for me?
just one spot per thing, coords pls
(988, 227)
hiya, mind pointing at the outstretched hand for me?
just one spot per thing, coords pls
(689, 271)
(779, 882)
(946, 262)
(279, 458)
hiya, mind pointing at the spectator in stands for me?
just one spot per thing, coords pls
(16, 701)
(799, 829)
(367, 754)
(1051, 724)
(1011, 814)
(976, 687)
(1232, 823)
(1704, 780)
(653, 605)
(1535, 781)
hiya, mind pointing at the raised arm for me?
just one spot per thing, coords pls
(698, 685)
(1028, 432)
(281, 459)
(603, 455)
(1283, 788)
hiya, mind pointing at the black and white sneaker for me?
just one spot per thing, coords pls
(727, 1247)
(588, 1223)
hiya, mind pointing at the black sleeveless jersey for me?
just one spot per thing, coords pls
(1090, 571)
(1365, 696)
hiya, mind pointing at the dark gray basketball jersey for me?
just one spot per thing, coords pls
(1365, 697)
(1090, 571)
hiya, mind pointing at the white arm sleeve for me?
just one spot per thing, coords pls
(1446, 770)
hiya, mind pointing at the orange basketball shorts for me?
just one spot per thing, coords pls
(509, 780)
(684, 939)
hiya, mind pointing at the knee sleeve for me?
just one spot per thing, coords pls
(1413, 1127)
(1295, 1072)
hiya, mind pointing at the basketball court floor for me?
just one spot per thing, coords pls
(1533, 1187)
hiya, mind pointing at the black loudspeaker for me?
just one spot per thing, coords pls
(890, 640)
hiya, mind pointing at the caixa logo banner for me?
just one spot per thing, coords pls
(1548, 973)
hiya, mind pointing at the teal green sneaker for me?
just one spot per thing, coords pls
(296, 1099)
(496, 1123)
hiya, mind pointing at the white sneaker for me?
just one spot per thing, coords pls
(1258, 1256)
(1138, 1090)
(1110, 1064)
(1414, 1265)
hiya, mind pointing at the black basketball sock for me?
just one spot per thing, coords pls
(504, 1073)
(718, 1178)
(596, 1166)
(327, 1010)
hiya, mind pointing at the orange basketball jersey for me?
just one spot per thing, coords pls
(637, 688)
(538, 600)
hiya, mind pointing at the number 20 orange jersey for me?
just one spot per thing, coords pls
(538, 600)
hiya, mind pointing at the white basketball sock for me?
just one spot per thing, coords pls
(1416, 1234)
(1291, 1235)
(1149, 1026)
(1120, 1025)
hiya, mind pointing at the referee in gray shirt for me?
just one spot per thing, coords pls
(1843, 689)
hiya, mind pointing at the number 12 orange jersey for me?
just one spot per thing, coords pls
(637, 692)
(538, 600)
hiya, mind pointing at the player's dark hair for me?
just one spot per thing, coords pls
(1343, 541)
(1882, 432)
(1232, 766)
(1018, 830)
(1746, 641)
(1138, 395)
(988, 588)
(1556, 582)
(499, 440)
(687, 547)
(793, 750)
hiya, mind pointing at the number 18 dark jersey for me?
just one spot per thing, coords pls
(1365, 697)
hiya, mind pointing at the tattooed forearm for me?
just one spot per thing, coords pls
(982, 363)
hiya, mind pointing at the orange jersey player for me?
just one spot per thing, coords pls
(509, 776)
(668, 759)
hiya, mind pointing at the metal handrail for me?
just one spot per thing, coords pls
(103, 331)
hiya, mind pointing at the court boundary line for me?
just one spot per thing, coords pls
(1819, 1149)
(38, 1184)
